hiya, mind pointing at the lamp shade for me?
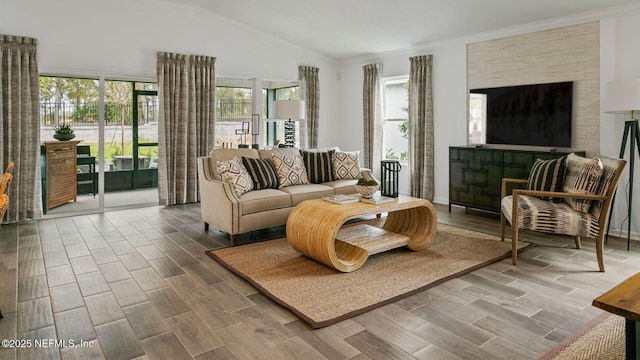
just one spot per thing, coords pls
(622, 96)
(289, 109)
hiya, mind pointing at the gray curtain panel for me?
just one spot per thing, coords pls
(20, 125)
(202, 98)
(421, 127)
(372, 121)
(186, 89)
(310, 93)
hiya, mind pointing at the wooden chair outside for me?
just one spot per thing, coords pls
(535, 214)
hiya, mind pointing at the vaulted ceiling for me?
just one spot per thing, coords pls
(343, 29)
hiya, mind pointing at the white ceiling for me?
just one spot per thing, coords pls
(343, 29)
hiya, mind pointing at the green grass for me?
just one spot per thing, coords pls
(113, 149)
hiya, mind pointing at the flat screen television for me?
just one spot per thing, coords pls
(534, 115)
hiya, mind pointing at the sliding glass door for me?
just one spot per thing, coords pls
(116, 141)
(131, 143)
(145, 139)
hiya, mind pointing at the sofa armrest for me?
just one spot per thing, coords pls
(219, 204)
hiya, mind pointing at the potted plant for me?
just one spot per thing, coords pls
(63, 132)
(367, 188)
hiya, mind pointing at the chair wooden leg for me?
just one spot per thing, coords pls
(514, 229)
(514, 243)
(599, 245)
(503, 225)
(577, 239)
(206, 227)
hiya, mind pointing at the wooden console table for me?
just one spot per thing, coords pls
(624, 300)
(314, 229)
(59, 172)
(475, 173)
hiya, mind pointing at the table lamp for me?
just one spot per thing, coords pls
(291, 110)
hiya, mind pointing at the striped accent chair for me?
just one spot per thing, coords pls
(589, 187)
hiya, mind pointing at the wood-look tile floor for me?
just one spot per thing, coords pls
(137, 284)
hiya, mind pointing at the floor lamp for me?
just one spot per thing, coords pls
(291, 110)
(623, 97)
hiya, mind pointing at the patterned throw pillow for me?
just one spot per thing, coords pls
(548, 175)
(583, 177)
(290, 170)
(233, 172)
(262, 173)
(346, 165)
(319, 165)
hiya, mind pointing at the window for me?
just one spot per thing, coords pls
(278, 90)
(395, 126)
(118, 146)
(234, 107)
(477, 118)
(75, 102)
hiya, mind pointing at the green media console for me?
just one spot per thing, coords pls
(475, 173)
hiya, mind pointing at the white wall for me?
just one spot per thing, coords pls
(119, 39)
(620, 51)
(449, 104)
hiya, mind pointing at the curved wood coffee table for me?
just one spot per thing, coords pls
(313, 229)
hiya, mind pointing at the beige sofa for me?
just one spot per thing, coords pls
(256, 209)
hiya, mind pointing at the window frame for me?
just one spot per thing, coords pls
(401, 79)
(234, 131)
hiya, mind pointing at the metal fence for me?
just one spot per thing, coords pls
(86, 113)
(233, 109)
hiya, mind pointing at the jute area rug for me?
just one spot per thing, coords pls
(322, 296)
(600, 339)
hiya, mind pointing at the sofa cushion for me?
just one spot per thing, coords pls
(319, 165)
(546, 216)
(228, 154)
(346, 165)
(263, 200)
(262, 173)
(345, 186)
(233, 172)
(304, 192)
(548, 175)
(583, 177)
(290, 170)
(268, 154)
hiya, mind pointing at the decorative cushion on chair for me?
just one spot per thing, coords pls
(583, 177)
(290, 170)
(319, 165)
(262, 173)
(549, 217)
(346, 165)
(233, 172)
(610, 167)
(548, 175)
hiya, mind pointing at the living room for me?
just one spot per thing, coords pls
(82, 39)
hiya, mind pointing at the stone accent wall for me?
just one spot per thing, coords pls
(570, 53)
